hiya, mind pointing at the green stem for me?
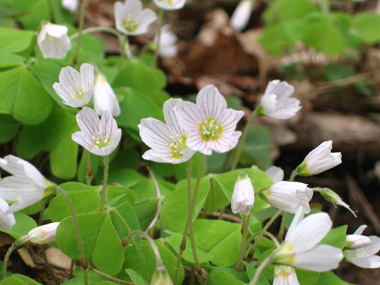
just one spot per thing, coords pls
(104, 189)
(243, 138)
(80, 32)
(158, 204)
(111, 277)
(260, 233)
(196, 261)
(293, 175)
(260, 269)
(88, 167)
(280, 236)
(6, 259)
(124, 45)
(96, 30)
(190, 213)
(156, 51)
(84, 261)
(273, 238)
(243, 247)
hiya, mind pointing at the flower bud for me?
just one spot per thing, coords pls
(104, 97)
(39, 235)
(243, 196)
(54, 41)
(161, 277)
(334, 198)
(356, 241)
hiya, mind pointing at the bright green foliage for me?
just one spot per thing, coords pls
(23, 225)
(18, 279)
(226, 276)
(8, 128)
(336, 237)
(367, 26)
(14, 41)
(251, 272)
(136, 278)
(331, 278)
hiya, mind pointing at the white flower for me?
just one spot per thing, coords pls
(54, 41)
(104, 97)
(43, 234)
(276, 102)
(319, 159)
(100, 137)
(275, 173)
(301, 249)
(285, 275)
(131, 19)
(6, 220)
(170, 4)
(363, 256)
(167, 141)
(210, 124)
(243, 196)
(241, 15)
(27, 185)
(168, 39)
(288, 196)
(71, 5)
(74, 88)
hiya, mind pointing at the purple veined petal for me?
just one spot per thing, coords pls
(27, 197)
(155, 133)
(211, 102)
(309, 232)
(303, 200)
(287, 110)
(360, 230)
(70, 80)
(285, 275)
(281, 89)
(320, 258)
(226, 142)
(115, 140)
(108, 125)
(120, 14)
(82, 140)
(161, 156)
(171, 117)
(367, 262)
(190, 116)
(6, 220)
(196, 143)
(87, 76)
(88, 122)
(146, 17)
(133, 8)
(229, 119)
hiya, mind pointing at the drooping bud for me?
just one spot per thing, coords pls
(161, 277)
(334, 198)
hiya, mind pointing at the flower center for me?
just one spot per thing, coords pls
(178, 145)
(130, 24)
(100, 141)
(284, 255)
(79, 94)
(210, 130)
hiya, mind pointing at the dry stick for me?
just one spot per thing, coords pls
(111, 277)
(83, 259)
(243, 138)
(81, 24)
(189, 217)
(159, 202)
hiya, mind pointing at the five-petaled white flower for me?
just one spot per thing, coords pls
(319, 159)
(241, 15)
(276, 102)
(288, 196)
(39, 235)
(6, 220)
(210, 124)
(71, 5)
(74, 88)
(27, 185)
(54, 41)
(285, 275)
(131, 19)
(168, 39)
(243, 196)
(104, 97)
(100, 137)
(167, 142)
(363, 250)
(301, 249)
(170, 4)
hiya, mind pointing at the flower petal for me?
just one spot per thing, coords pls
(88, 122)
(155, 134)
(171, 118)
(190, 116)
(367, 262)
(211, 102)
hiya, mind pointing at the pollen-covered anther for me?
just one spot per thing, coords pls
(130, 24)
(210, 130)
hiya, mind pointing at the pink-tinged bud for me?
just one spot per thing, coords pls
(356, 241)
(243, 196)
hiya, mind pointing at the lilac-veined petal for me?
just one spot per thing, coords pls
(211, 102)
(367, 262)
(155, 133)
(171, 117)
(189, 116)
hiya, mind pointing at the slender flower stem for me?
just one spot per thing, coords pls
(156, 51)
(196, 261)
(124, 45)
(273, 238)
(260, 269)
(84, 261)
(88, 167)
(6, 259)
(159, 202)
(111, 277)
(280, 235)
(260, 233)
(104, 189)
(81, 24)
(243, 244)
(96, 30)
(293, 175)
(243, 138)
(190, 213)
